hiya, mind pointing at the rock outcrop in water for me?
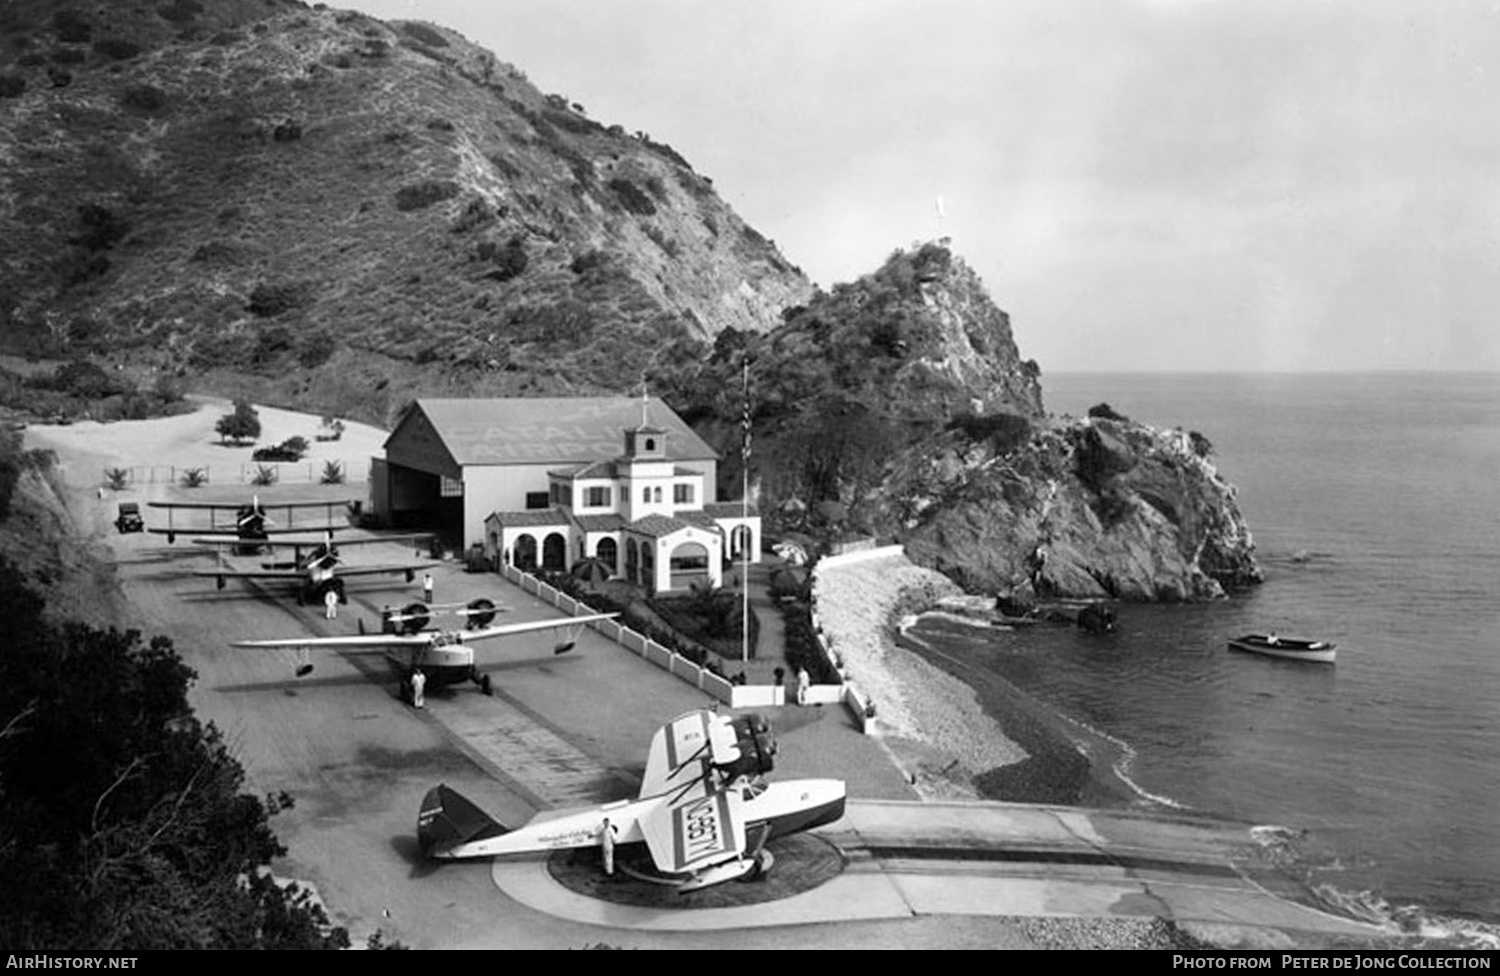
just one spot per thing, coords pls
(1085, 508)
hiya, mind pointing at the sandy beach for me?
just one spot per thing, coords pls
(957, 731)
(935, 726)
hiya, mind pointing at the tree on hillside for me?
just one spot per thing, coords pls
(242, 425)
(125, 823)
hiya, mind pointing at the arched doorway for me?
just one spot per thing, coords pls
(632, 561)
(555, 553)
(740, 541)
(648, 566)
(608, 552)
(523, 554)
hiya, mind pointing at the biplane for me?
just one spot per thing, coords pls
(251, 522)
(445, 657)
(316, 565)
(704, 812)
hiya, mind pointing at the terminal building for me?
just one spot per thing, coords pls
(542, 483)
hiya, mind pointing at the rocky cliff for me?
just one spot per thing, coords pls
(899, 405)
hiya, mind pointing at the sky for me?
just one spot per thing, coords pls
(1143, 185)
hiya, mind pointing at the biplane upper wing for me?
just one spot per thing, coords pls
(701, 827)
(310, 542)
(254, 503)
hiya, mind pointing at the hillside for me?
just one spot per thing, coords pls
(346, 212)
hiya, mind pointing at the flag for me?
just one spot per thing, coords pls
(745, 420)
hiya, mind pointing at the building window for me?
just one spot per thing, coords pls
(450, 487)
(658, 494)
(645, 495)
(650, 443)
(536, 499)
(682, 494)
(598, 497)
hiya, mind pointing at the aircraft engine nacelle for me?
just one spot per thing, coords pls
(757, 747)
(481, 612)
(412, 618)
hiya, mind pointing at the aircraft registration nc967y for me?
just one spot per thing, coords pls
(704, 812)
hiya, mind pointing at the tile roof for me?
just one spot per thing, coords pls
(600, 523)
(539, 516)
(657, 525)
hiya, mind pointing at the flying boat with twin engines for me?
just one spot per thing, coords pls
(702, 817)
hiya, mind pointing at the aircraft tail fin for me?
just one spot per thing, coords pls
(448, 819)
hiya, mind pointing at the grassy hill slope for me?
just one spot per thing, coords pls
(344, 208)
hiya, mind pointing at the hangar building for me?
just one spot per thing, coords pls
(545, 482)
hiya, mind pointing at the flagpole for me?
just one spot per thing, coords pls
(745, 518)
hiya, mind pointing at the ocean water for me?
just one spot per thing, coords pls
(1374, 501)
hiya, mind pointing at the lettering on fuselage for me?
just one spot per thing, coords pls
(701, 828)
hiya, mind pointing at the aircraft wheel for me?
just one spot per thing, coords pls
(485, 685)
(764, 861)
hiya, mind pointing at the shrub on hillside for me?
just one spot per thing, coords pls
(148, 841)
(265, 475)
(272, 298)
(180, 11)
(317, 349)
(117, 48)
(100, 227)
(72, 27)
(333, 473)
(1004, 431)
(147, 98)
(631, 197)
(415, 196)
(509, 258)
(424, 34)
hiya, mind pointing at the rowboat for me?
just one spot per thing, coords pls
(1291, 648)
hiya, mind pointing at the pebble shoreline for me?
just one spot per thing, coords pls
(933, 723)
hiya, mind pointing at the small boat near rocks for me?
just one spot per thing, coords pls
(1291, 648)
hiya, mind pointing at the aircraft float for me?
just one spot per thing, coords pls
(703, 813)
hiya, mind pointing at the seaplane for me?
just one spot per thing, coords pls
(445, 657)
(317, 565)
(703, 815)
(250, 522)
